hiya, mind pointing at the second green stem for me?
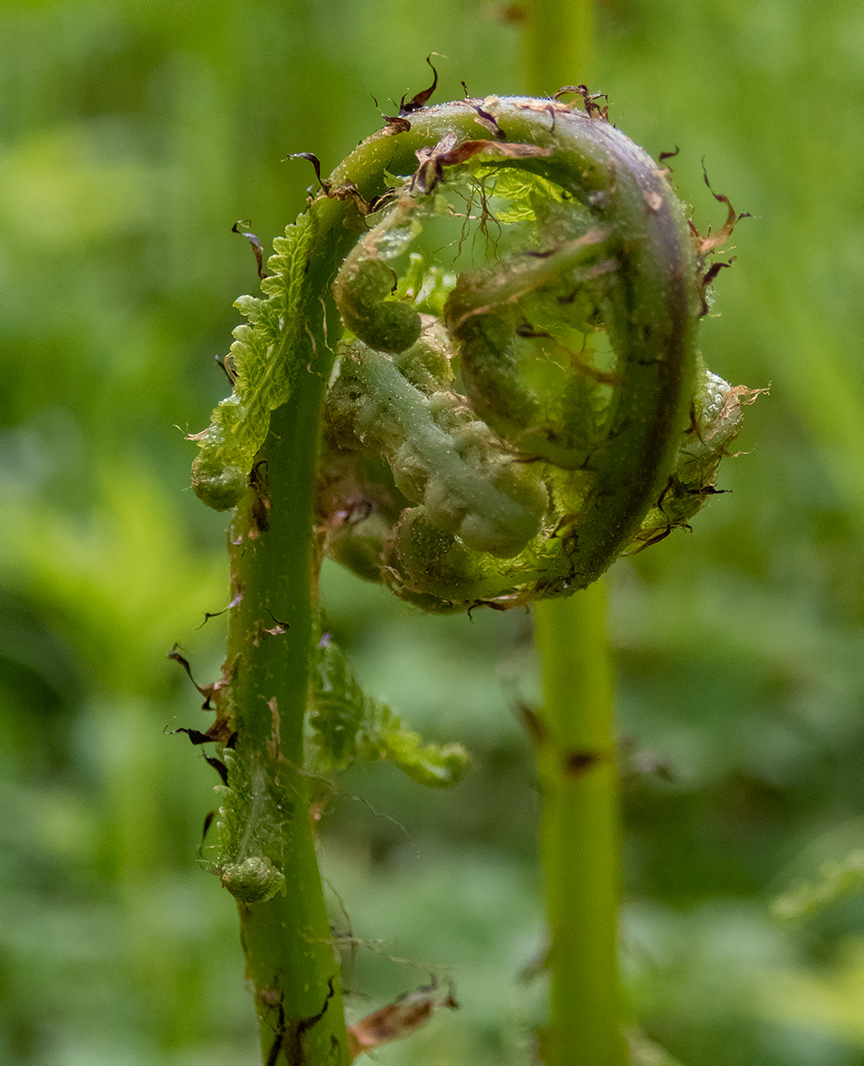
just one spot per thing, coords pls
(579, 831)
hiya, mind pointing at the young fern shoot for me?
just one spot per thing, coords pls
(472, 377)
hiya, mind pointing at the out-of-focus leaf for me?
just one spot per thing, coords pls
(349, 725)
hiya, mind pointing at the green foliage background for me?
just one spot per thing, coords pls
(133, 135)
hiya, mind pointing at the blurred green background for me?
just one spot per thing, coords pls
(133, 135)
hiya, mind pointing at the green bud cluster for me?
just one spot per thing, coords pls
(439, 454)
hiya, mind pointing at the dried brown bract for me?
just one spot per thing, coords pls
(256, 248)
(447, 153)
(404, 1016)
(710, 241)
(592, 108)
(421, 99)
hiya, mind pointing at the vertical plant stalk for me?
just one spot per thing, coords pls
(557, 44)
(286, 938)
(579, 833)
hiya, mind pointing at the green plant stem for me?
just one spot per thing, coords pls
(557, 44)
(286, 939)
(579, 831)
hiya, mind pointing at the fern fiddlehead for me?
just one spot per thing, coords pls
(573, 350)
(510, 289)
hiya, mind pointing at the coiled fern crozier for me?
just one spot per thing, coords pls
(473, 377)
